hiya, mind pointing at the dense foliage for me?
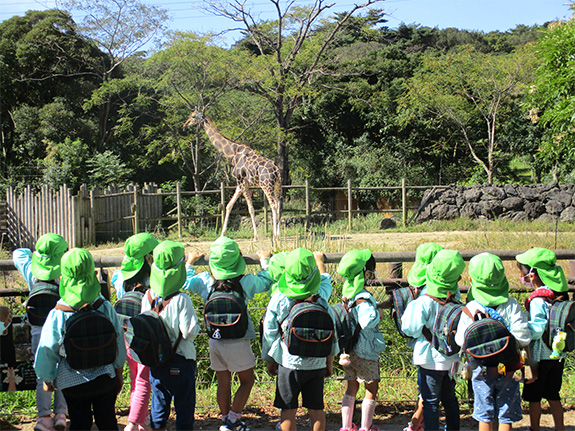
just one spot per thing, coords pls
(366, 102)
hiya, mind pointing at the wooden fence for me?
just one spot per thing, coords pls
(113, 213)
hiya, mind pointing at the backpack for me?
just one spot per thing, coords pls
(225, 314)
(488, 342)
(561, 318)
(43, 297)
(148, 338)
(89, 337)
(445, 327)
(129, 306)
(308, 330)
(347, 329)
(401, 297)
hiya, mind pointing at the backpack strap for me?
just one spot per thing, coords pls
(357, 329)
(449, 298)
(93, 306)
(157, 308)
(541, 292)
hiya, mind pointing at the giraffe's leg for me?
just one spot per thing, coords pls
(248, 195)
(229, 207)
(274, 206)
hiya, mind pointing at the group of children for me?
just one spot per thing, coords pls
(165, 277)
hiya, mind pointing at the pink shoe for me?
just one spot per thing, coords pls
(353, 428)
(60, 422)
(44, 423)
(131, 427)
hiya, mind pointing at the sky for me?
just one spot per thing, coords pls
(482, 15)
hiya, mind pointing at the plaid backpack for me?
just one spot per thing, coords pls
(401, 297)
(445, 327)
(129, 306)
(308, 330)
(225, 314)
(346, 327)
(561, 318)
(488, 342)
(43, 297)
(89, 337)
(147, 335)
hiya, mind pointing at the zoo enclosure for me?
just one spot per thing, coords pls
(112, 213)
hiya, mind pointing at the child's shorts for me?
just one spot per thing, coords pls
(495, 398)
(362, 370)
(290, 383)
(548, 383)
(231, 355)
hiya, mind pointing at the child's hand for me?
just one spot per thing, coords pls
(272, 367)
(319, 256)
(48, 386)
(193, 257)
(263, 254)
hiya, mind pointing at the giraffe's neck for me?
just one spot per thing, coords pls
(225, 146)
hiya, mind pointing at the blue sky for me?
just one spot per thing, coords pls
(483, 15)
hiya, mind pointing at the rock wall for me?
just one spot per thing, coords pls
(543, 202)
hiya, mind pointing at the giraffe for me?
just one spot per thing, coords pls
(249, 169)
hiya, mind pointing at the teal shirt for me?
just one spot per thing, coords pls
(370, 342)
(538, 322)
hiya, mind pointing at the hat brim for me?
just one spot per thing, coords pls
(131, 267)
(295, 290)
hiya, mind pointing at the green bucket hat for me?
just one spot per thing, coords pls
(276, 269)
(443, 273)
(351, 268)
(423, 257)
(136, 248)
(488, 281)
(168, 273)
(301, 278)
(226, 260)
(544, 261)
(79, 285)
(46, 258)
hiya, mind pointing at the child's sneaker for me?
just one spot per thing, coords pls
(44, 423)
(373, 428)
(234, 426)
(131, 427)
(60, 422)
(353, 428)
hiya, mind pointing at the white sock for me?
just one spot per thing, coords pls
(367, 411)
(347, 405)
(234, 417)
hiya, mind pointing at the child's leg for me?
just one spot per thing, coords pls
(429, 387)
(317, 418)
(348, 404)
(417, 418)
(505, 427)
(487, 426)
(534, 415)
(140, 394)
(287, 418)
(242, 395)
(557, 413)
(43, 398)
(224, 391)
(368, 404)
(450, 403)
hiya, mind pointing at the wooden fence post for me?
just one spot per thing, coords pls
(403, 202)
(223, 201)
(179, 203)
(307, 206)
(349, 205)
(136, 211)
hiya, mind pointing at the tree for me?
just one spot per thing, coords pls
(120, 28)
(472, 92)
(551, 98)
(289, 53)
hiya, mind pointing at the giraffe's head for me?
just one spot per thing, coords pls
(196, 117)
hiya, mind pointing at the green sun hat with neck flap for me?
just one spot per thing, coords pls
(46, 258)
(351, 267)
(79, 285)
(545, 262)
(135, 249)
(168, 273)
(442, 274)
(301, 278)
(276, 268)
(226, 260)
(423, 257)
(488, 281)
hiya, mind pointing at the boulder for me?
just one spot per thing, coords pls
(546, 218)
(493, 193)
(448, 197)
(534, 209)
(387, 223)
(445, 212)
(510, 190)
(512, 204)
(529, 193)
(554, 207)
(490, 208)
(472, 194)
(470, 210)
(568, 215)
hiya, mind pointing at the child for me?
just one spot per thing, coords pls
(304, 276)
(5, 319)
(43, 267)
(537, 268)
(435, 382)
(497, 396)
(134, 274)
(233, 355)
(91, 391)
(177, 378)
(424, 254)
(355, 267)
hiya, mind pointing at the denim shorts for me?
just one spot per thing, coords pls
(495, 398)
